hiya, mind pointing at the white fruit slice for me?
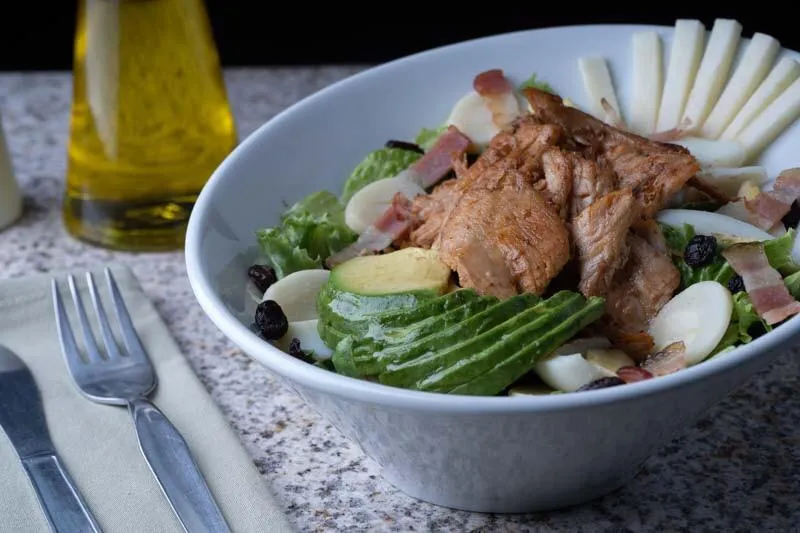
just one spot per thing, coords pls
(598, 86)
(729, 180)
(297, 293)
(753, 68)
(778, 115)
(685, 55)
(707, 223)
(786, 71)
(368, 204)
(647, 81)
(568, 373)
(713, 72)
(716, 153)
(735, 210)
(610, 359)
(698, 316)
(306, 332)
(474, 119)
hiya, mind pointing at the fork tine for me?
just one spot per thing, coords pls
(68, 345)
(129, 335)
(112, 349)
(92, 350)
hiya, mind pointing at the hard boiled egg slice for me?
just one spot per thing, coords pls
(297, 293)
(368, 204)
(697, 316)
(706, 223)
(306, 332)
(473, 118)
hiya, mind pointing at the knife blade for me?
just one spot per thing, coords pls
(23, 420)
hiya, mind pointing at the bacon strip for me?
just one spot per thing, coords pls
(667, 361)
(769, 207)
(394, 224)
(498, 95)
(429, 169)
(763, 283)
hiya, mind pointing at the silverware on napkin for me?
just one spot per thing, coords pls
(22, 418)
(124, 375)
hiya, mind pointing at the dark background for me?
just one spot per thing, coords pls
(39, 35)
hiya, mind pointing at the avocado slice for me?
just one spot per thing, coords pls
(410, 270)
(537, 344)
(373, 363)
(411, 371)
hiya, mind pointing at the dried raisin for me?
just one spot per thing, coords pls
(701, 251)
(296, 350)
(602, 383)
(792, 218)
(262, 276)
(736, 284)
(270, 320)
(403, 145)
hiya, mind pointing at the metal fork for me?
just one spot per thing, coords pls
(123, 375)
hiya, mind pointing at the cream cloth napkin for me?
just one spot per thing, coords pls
(98, 443)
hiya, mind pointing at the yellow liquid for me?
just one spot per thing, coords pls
(150, 121)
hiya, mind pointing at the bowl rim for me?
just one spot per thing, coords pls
(313, 377)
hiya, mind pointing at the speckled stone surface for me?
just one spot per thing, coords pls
(736, 470)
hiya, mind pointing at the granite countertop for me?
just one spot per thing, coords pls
(738, 469)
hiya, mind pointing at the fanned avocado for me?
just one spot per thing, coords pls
(412, 372)
(507, 367)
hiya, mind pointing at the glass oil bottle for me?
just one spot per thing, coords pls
(150, 121)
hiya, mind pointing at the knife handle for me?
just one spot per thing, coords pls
(62, 503)
(175, 470)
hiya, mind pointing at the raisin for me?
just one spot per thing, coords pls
(756, 329)
(402, 145)
(792, 218)
(271, 320)
(736, 284)
(295, 350)
(262, 276)
(700, 251)
(602, 383)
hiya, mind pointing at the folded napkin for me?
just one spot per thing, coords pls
(98, 443)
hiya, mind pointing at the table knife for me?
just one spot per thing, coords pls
(22, 418)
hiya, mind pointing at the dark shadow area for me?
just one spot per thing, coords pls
(41, 37)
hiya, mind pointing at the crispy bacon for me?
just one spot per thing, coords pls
(498, 95)
(769, 207)
(393, 225)
(438, 161)
(632, 374)
(667, 361)
(762, 282)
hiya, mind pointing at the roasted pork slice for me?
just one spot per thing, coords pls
(599, 236)
(512, 221)
(642, 287)
(572, 182)
(654, 171)
(430, 211)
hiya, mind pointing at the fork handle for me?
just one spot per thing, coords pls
(63, 506)
(175, 470)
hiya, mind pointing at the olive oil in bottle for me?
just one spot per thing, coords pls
(150, 121)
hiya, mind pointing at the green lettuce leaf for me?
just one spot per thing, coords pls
(309, 232)
(380, 164)
(426, 138)
(536, 83)
(778, 251)
(744, 316)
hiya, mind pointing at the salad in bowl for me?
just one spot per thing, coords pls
(528, 246)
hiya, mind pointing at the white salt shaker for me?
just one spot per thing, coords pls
(10, 196)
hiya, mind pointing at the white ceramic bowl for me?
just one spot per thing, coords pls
(493, 454)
